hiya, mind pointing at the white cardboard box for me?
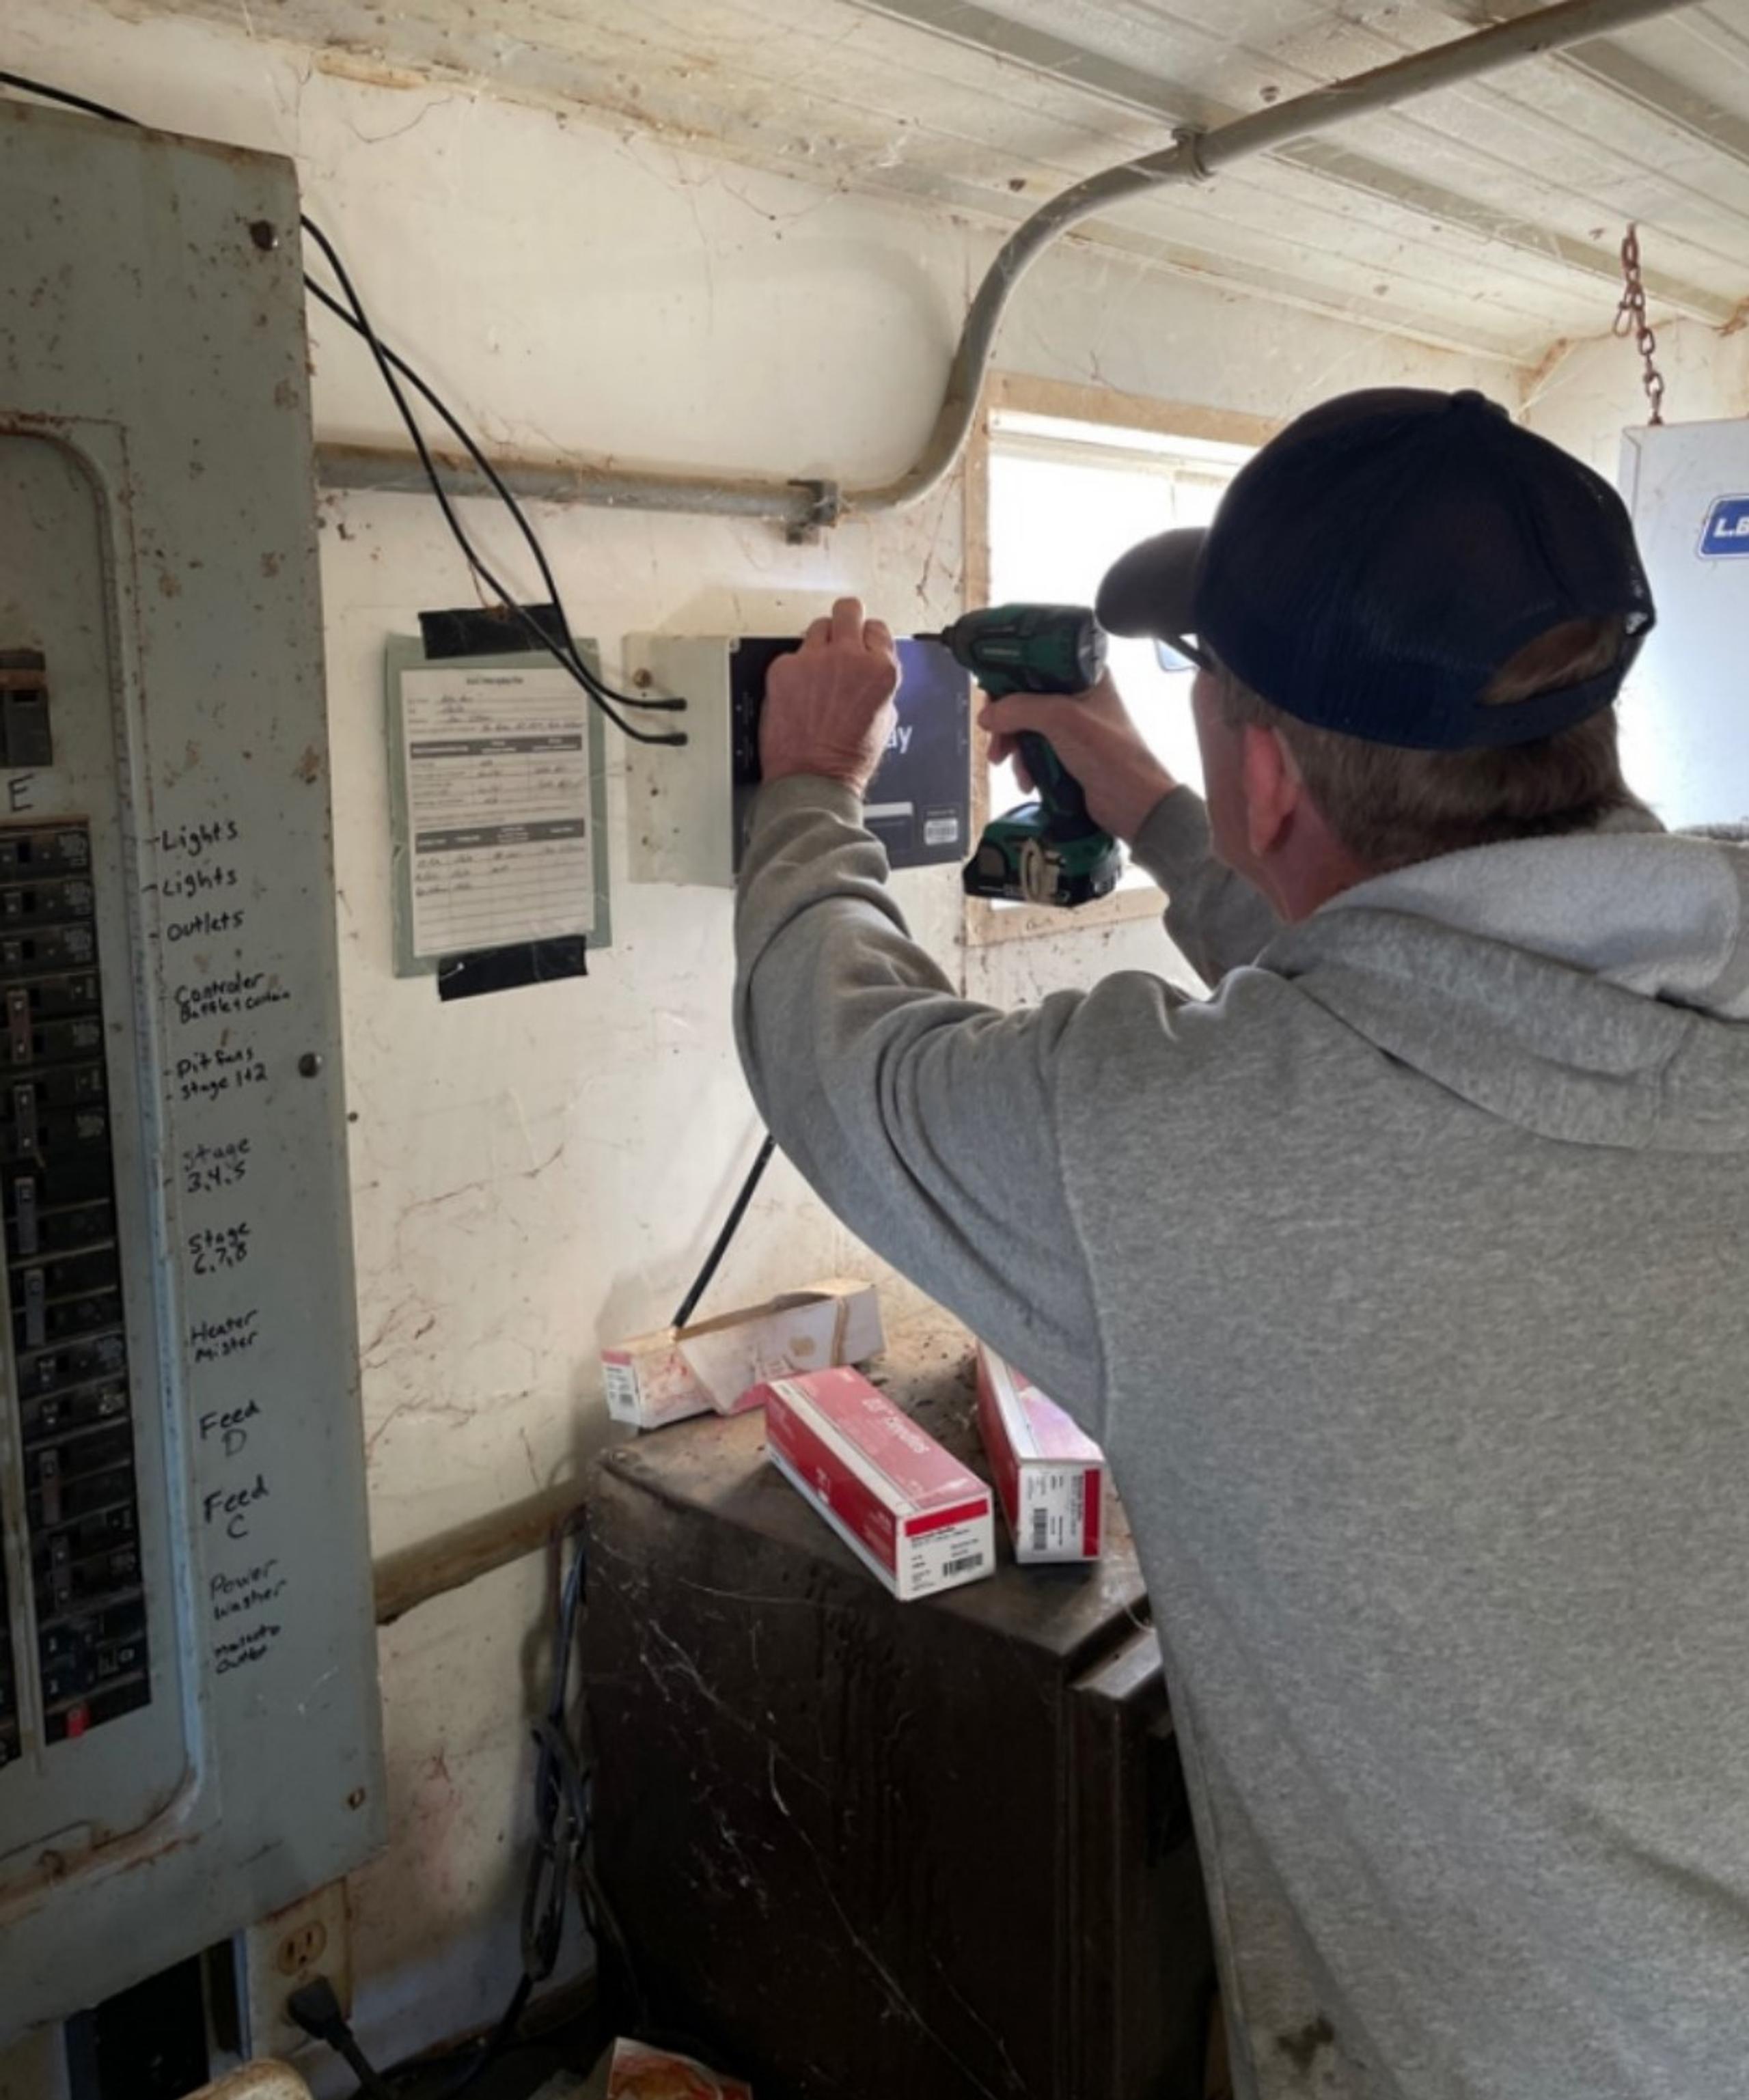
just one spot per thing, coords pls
(654, 1379)
(907, 1506)
(1049, 1475)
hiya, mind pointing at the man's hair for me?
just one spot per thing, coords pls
(1391, 808)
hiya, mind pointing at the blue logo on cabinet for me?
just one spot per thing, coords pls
(1726, 531)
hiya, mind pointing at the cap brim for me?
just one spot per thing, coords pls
(1151, 590)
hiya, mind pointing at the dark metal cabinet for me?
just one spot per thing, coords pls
(860, 1847)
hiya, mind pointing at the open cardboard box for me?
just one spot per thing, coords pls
(654, 1379)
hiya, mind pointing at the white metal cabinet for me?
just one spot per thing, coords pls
(1686, 713)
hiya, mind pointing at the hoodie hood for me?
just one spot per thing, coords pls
(1593, 989)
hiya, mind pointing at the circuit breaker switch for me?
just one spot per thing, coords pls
(26, 1132)
(19, 1032)
(27, 1232)
(25, 737)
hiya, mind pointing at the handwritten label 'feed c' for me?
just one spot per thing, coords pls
(228, 1508)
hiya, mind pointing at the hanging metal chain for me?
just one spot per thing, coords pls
(1630, 320)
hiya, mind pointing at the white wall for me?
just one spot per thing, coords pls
(535, 1172)
(1585, 397)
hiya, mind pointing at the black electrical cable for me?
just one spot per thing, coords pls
(566, 653)
(561, 1819)
(572, 661)
(73, 101)
(316, 2009)
(463, 437)
(713, 1261)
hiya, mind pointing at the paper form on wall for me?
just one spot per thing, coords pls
(498, 772)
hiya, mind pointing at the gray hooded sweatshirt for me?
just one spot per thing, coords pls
(1403, 1280)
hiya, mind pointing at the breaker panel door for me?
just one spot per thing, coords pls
(189, 1727)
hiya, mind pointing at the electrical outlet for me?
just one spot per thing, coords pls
(302, 1948)
(278, 1954)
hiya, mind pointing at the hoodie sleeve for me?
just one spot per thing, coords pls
(926, 1122)
(1218, 920)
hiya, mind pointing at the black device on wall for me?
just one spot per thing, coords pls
(919, 802)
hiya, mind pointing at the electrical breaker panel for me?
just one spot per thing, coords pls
(690, 805)
(189, 1720)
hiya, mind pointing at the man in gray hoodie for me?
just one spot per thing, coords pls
(1401, 1277)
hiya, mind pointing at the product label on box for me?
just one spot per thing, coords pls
(620, 1382)
(950, 1553)
(1048, 1472)
(1053, 1504)
(820, 1433)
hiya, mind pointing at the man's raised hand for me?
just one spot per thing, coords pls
(828, 705)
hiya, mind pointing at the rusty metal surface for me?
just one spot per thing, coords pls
(859, 1846)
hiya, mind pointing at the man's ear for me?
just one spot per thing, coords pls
(1273, 789)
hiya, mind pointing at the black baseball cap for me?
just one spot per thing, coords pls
(1375, 564)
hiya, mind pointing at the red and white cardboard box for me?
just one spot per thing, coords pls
(638, 2073)
(1049, 1475)
(654, 1379)
(886, 1487)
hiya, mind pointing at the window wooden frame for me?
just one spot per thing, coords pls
(1017, 392)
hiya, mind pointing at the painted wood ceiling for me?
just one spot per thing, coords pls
(1485, 216)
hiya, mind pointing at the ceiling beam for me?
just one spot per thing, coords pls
(967, 22)
(1619, 72)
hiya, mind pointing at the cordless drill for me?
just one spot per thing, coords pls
(1048, 850)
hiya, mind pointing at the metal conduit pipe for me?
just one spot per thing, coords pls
(1196, 156)
(799, 506)
(803, 507)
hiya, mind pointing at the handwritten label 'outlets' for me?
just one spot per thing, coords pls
(204, 926)
(211, 1341)
(246, 991)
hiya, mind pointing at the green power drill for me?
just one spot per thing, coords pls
(1047, 851)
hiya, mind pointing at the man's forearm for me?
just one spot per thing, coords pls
(927, 1122)
(1216, 918)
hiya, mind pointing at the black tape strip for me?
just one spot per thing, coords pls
(478, 630)
(508, 970)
